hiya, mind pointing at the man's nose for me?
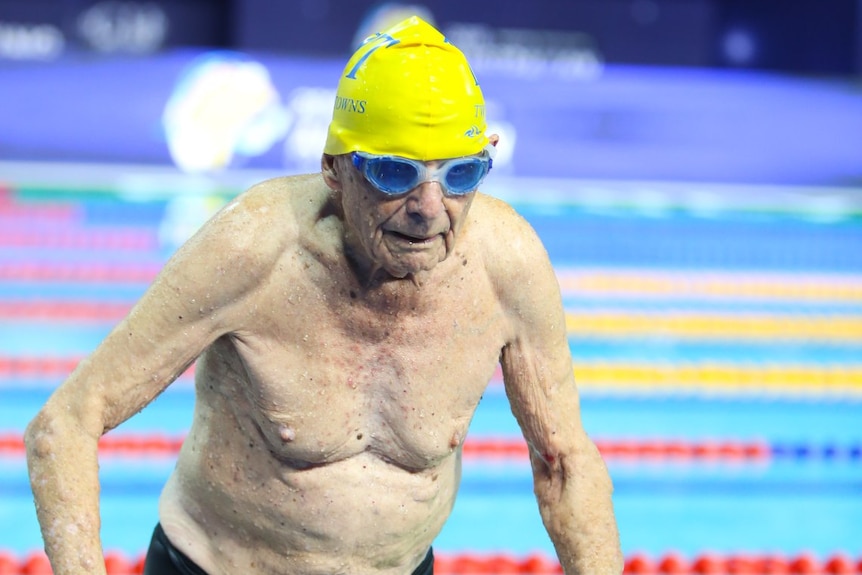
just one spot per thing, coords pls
(426, 200)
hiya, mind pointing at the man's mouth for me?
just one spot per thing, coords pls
(410, 238)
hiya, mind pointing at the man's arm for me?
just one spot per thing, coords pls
(184, 310)
(570, 479)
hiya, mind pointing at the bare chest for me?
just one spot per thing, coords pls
(336, 376)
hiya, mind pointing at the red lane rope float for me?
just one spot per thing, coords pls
(647, 449)
(752, 564)
(15, 211)
(69, 311)
(119, 563)
(164, 445)
(80, 272)
(37, 367)
(119, 239)
(47, 367)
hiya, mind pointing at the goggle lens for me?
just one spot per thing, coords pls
(465, 176)
(395, 175)
(391, 174)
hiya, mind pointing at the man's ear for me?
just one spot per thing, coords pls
(330, 172)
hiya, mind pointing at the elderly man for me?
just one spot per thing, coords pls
(345, 326)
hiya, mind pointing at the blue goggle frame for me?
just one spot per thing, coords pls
(394, 175)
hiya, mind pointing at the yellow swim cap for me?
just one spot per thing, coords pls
(408, 92)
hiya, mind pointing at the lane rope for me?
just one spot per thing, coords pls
(598, 375)
(119, 563)
(827, 328)
(165, 445)
(710, 285)
(80, 272)
(91, 239)
(706, 285)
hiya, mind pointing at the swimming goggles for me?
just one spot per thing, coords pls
(394, 175)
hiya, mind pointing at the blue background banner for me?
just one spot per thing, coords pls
(611, 121)
(707, 90)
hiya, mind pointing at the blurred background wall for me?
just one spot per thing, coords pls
(805, 36)
(754, 91)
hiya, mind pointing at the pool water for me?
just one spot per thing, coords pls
(688, 328)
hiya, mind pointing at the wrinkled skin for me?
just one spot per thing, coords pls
(343, 341)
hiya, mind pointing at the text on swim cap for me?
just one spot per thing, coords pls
(350, 105)
(379, 40)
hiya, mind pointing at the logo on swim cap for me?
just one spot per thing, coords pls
(408, 92)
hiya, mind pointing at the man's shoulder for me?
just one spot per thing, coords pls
(278, 207)
(284, 195)
(259, 224)
(501, 230)
(247, 241)
(513, 253)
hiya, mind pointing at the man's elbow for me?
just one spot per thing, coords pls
(52, 430)
(557, 467)
(42, 436)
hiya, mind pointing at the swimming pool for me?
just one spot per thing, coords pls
(717, 340)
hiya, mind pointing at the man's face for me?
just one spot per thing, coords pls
(403, 234)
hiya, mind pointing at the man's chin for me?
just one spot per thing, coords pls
(402, 263)
(402, 271)
(412, 266)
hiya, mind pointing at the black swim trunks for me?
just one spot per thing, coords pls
(165, 559)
